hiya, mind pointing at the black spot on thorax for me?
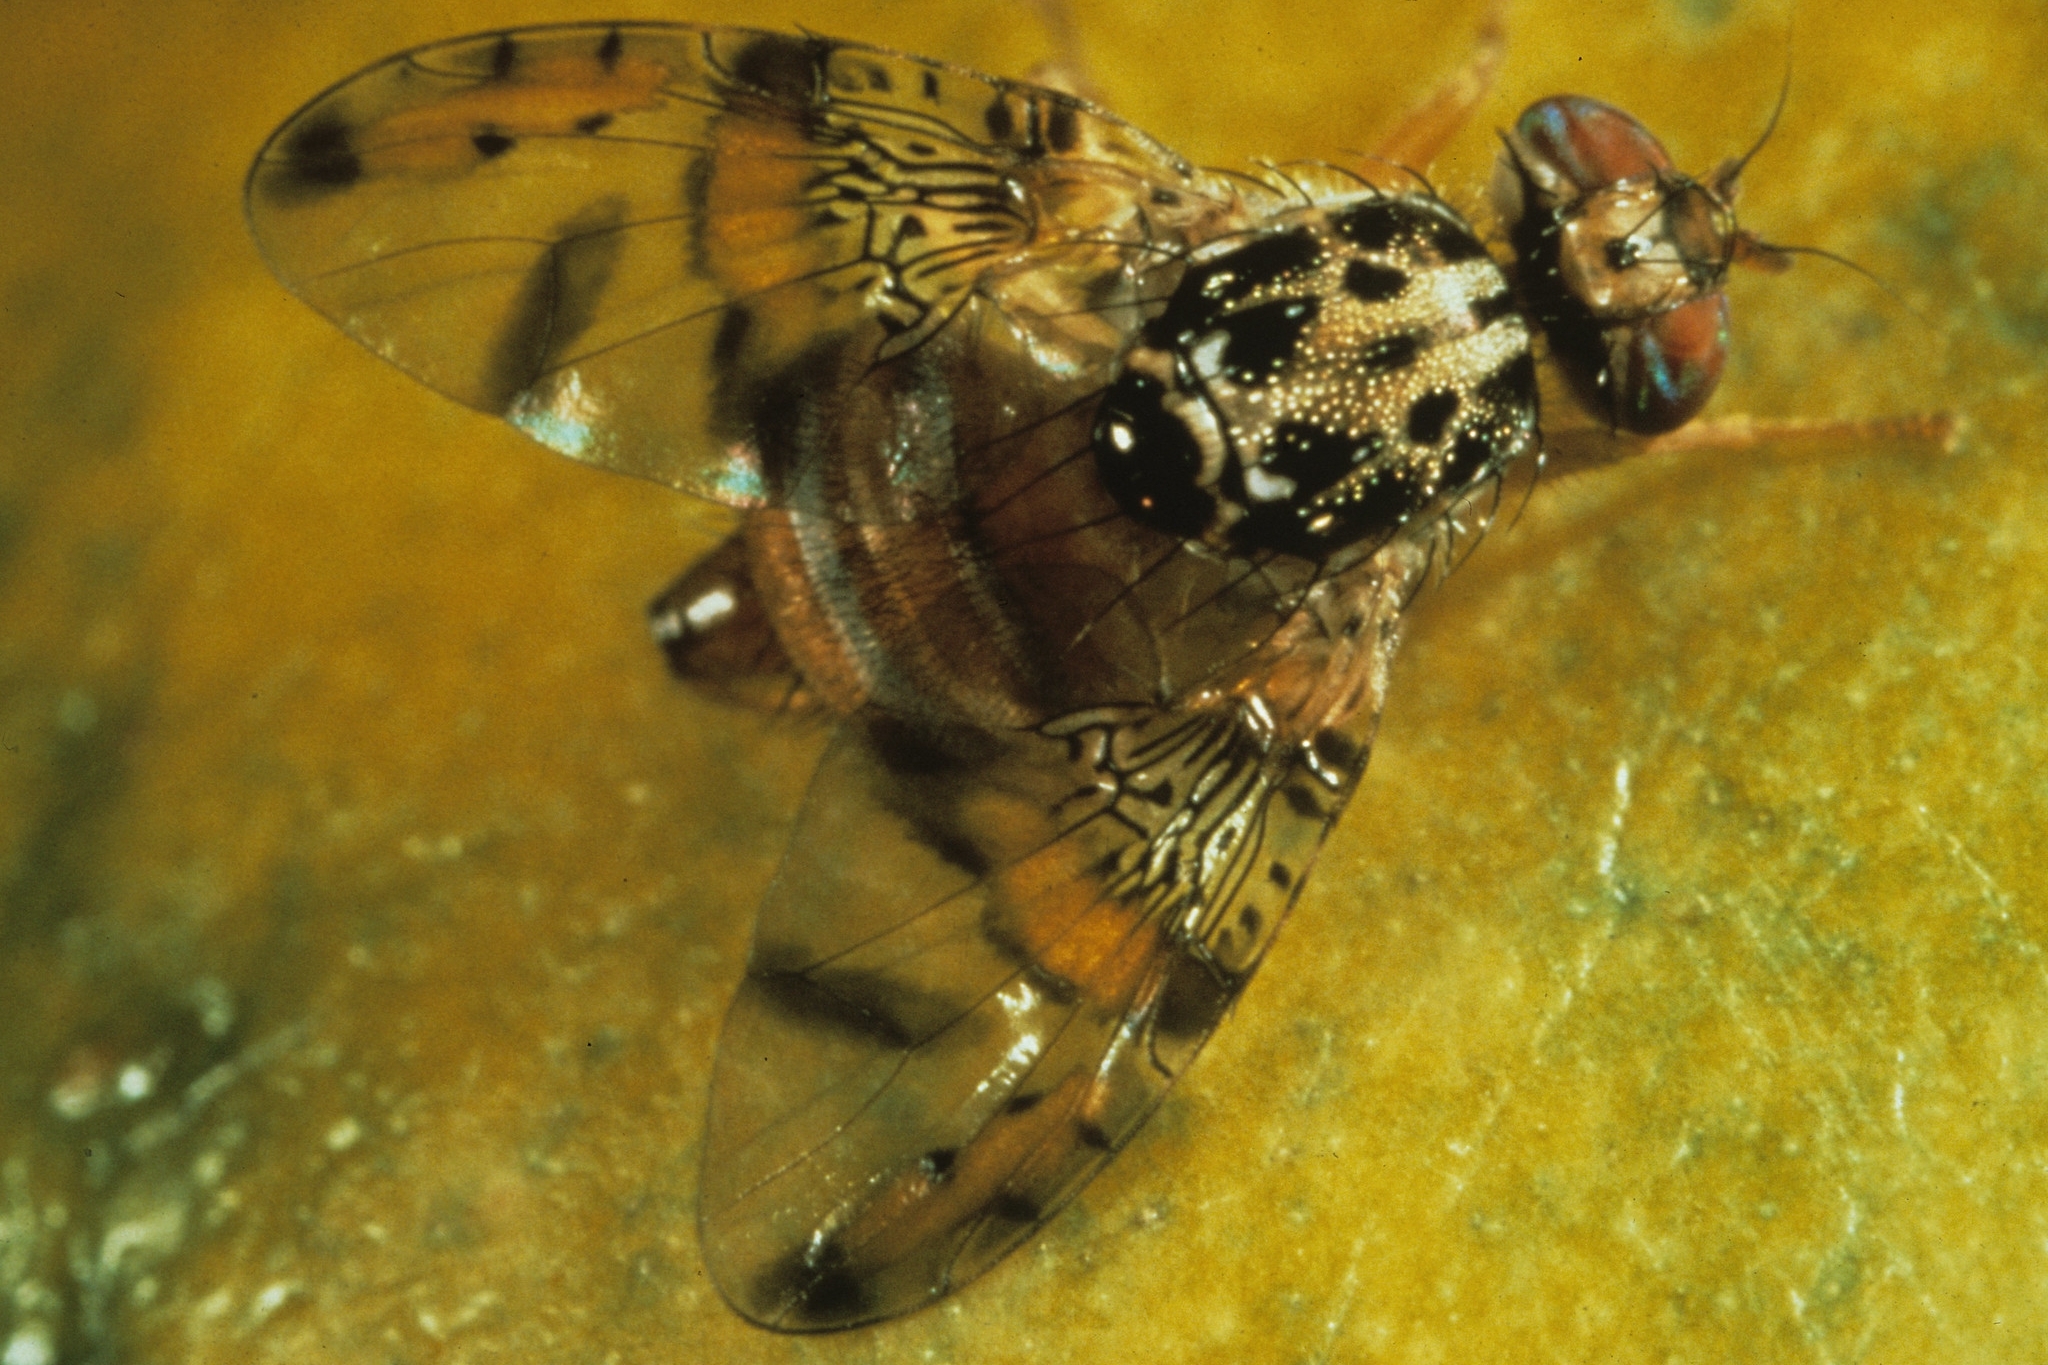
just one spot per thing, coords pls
(1263, 339)
(1455, 243)
(1148, 460)
(1253, 266)
(1472, 452)
(1511, 389)
(1373, 225)
(1374, 283)
(1315, 457)
(1430, 414)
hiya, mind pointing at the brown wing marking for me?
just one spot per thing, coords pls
(590, 230)
(984, 962)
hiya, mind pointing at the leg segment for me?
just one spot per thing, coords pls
(1426, 129)
(1577, 449)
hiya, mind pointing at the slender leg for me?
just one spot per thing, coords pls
(1577, 449)
(1067, 68)
(1411, 146)
(1425, 130)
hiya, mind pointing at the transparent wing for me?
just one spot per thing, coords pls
(985, 959)
(672, 251)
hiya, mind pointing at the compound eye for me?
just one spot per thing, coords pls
(1571, 142)
(1666, 367)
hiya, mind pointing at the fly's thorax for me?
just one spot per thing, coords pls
(1620, 260)
(1320, 382)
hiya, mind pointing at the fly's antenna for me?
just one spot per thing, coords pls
(1754, 250)
(1730, 172)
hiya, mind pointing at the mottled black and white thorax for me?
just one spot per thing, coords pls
(1320, 382)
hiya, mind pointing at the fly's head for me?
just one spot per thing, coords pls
(1621, 259)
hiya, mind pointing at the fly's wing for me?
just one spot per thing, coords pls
(670, 250)
(985, 959)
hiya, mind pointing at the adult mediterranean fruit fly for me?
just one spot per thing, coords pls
(1084, 487)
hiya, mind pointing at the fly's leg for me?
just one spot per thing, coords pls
(1412, 145)
(1577, 449)
(1067, 68)
(1427, 129)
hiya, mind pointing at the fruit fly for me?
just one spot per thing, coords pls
(1085, 488)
